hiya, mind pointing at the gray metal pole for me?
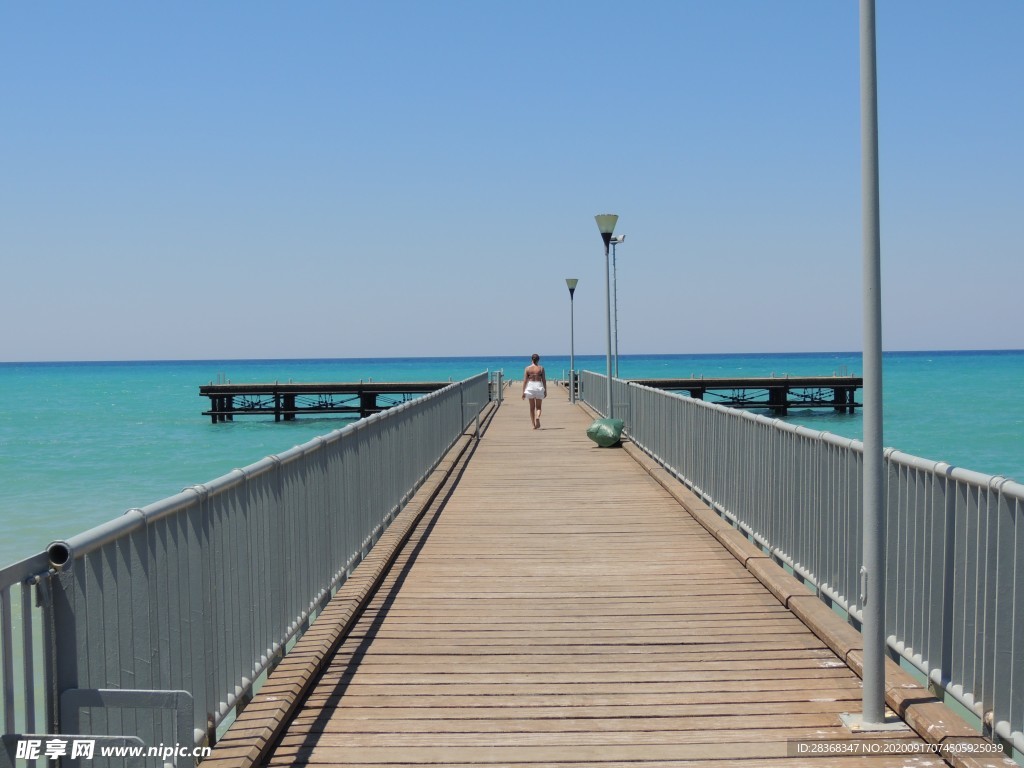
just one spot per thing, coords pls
(572, 352)
(615, 308)
(608, 314)
(873, 569)
(606, 224)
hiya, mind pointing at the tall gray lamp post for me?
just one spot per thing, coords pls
(571, 283)
(873, 570)
(616, 239)
(606, 224)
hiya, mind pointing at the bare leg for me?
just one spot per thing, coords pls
(533, 411)
(537, 421)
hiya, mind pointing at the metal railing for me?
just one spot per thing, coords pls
(172, 611)
(954, 538)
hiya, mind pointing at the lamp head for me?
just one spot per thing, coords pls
(618, 239)
(606, 224)
(571, 283)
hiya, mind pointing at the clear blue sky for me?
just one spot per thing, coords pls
(345, 179)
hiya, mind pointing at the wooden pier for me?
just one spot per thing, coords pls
(548, 602)
(777, 394)
(286, 401)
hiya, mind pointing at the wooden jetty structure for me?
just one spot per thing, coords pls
(548, 602)
(360, 399)
(777, 394)
(286, 401)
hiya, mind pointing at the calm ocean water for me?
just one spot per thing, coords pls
(82, 442)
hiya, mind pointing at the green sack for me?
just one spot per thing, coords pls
(606, 432)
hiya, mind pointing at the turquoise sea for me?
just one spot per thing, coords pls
(82, 442)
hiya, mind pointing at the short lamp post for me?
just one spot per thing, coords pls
(606, 224)
(571, 284)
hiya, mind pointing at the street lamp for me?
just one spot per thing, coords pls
(571, 283)
(606, 224)
(616, 239)
(873, 569)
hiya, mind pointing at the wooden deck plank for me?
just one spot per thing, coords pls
(703, 754)
(870, 762)
(563, 609)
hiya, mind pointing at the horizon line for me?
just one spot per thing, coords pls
(98, 361)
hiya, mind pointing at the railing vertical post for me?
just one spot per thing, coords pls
(67, 587)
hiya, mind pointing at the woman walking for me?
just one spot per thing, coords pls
(535, 388)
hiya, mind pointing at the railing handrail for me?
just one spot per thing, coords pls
(311, 513)
(1009, 486)
(805, 484)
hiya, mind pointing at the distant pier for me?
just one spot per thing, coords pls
(356, 399)
(777, 394)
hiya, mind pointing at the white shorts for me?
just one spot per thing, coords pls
(534, 390)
